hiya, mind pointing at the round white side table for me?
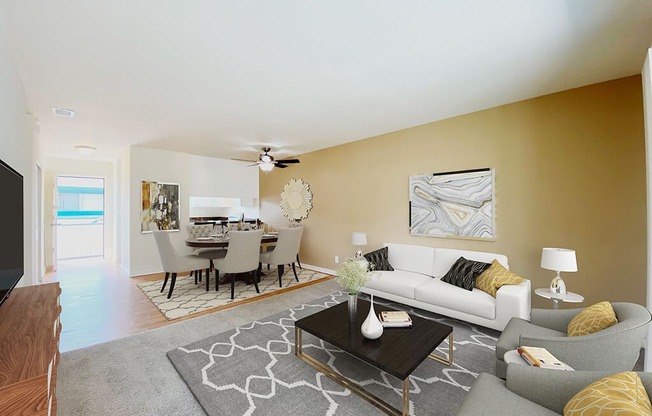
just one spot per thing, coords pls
(513, 357)
(557, 297)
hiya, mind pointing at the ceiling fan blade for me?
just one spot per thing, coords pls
(280, 165)
(255, 164)
(243, 160)
(289, 161)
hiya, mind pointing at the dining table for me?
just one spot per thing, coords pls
(222, 241)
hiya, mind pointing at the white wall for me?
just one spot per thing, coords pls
(197, 176)
(80, 167)
(17, 143)
(647, 108)
(124, 211)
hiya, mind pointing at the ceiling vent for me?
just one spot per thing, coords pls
(62, 112)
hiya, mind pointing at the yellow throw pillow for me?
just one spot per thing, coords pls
(621, 394)
(495, 277)
(592, 319)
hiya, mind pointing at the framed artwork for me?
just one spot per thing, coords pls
(160, 206)
(453, 204)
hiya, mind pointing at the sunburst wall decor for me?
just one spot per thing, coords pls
(296, 200)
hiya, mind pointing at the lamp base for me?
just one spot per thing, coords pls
(557, 285)
(358, 255)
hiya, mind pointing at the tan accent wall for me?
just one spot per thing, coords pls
(570, 172)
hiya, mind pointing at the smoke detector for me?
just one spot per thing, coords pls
(63, 112)
(85, 150)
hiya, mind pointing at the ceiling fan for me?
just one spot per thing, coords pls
(266, 162)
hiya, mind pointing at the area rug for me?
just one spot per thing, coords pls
(189, 298)
(252, 370)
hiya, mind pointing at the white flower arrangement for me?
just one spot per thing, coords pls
(353, 274)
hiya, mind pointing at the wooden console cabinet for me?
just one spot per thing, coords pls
(29, 350)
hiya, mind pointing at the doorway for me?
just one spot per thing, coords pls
(79, 218)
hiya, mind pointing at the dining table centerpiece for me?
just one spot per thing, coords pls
(352, 275)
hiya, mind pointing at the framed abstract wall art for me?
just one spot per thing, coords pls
(453, 204)
(160, 207)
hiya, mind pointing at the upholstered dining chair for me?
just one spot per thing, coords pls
(201, 231)
(615, 348)
(174, 263)
(241, 257)
(285, 252)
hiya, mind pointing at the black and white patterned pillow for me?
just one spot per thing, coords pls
(464, 272)
(379, 259)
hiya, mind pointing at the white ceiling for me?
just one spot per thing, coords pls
(222, 78)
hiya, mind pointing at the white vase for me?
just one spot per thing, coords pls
(371, 327)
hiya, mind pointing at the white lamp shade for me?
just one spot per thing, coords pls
(359, 239)
(559, 259)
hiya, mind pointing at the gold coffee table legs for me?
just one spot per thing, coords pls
(450, 353)
(368, 396)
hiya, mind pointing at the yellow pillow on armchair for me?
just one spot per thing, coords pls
(592, 319)
(618, 394)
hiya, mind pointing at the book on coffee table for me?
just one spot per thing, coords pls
(395, 319)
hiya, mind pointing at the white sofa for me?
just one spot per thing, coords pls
(416, 281)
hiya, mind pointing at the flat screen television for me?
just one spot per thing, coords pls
(11, 230)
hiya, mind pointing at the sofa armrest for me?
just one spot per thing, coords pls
(549, 388)
(513, 301)
(557, 319)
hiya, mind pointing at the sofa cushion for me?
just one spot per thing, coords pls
(463, 272)
(398, 282)
(444, 258)
(495, 277)
(378, 260)
(417, 259)
(510, 339)
(592, 319)
(617, 394)
(475, 302)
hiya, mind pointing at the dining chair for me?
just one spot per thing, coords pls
(241, 257)
(174, 263)
(285, 252)
(204, 230)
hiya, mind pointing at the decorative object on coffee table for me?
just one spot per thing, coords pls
(559, 260)
(371, 327)
(352, 275)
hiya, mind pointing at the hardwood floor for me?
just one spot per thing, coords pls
(101, 303)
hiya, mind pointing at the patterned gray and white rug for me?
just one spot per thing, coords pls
(189, 298)
(252, 370)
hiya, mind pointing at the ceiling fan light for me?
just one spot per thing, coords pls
(266, 167)
(266, 158)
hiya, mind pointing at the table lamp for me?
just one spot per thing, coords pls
(359, 239)
(559, 260)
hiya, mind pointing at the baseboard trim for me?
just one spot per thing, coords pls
(318, 269)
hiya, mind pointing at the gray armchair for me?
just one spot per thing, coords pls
(530, 391)
(613, 349)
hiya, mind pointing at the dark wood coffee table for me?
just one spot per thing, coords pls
(399, 351)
